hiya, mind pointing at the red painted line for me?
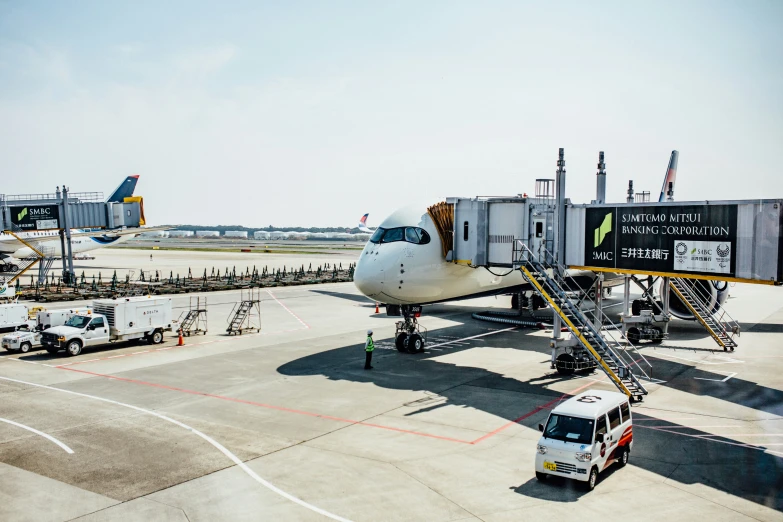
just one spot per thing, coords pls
(269, 406)
(531, 412)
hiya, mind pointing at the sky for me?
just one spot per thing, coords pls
(313, 113)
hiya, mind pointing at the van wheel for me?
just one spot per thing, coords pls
(157, 337)
(623, 460)
(592, 480)
(25, 347)
(74, 348)
(540, 476)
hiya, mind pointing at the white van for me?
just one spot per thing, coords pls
(584, 435)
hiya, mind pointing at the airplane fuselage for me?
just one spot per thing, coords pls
(9, 245)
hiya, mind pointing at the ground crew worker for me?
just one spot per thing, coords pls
(369, 346)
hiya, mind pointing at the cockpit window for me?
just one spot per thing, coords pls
(393, 234)
(415, 235)
(377, 235)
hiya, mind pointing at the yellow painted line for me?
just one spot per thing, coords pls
(576, 332)
(716, 277)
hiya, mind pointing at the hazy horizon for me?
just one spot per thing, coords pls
(312, 114)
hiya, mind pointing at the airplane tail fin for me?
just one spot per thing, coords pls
(363, 221)
(670, 178)
(125, 190)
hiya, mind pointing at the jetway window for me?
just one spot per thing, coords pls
(465, 231)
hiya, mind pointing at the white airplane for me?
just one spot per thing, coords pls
(403, 264)
(81, 240)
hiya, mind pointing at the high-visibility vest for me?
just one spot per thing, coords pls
(369, 345)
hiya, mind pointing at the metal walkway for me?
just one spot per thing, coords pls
(718, 323)
(611, 356)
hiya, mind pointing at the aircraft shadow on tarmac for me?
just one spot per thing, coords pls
(680, 453)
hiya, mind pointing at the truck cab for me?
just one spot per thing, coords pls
(78, 332)
(585, 435)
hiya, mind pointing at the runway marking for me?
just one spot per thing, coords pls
(717, 380)
(697, 362)
(709, 438)
(533, 412)
(42, 434)
(307, 326)
(207, 438)
(268, 406)
(493, 332)
(31, 362)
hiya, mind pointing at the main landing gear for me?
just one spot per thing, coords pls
(8, 268)
(409, 335)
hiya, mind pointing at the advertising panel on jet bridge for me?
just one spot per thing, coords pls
(35, 217)
(687, 239)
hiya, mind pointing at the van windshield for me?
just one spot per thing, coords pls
(569, 429)
(77, 321)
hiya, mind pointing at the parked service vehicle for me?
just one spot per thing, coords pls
(121, 319)
(12, 316)
(584, 435)
(26, 338)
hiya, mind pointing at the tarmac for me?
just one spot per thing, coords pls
(286, 425)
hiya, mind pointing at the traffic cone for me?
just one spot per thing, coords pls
(181, 341)
(377, 311)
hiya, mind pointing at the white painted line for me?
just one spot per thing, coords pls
(207, 438)
(717, 380)
(115, 356)
(733, 361)
(307, 326)
(471, 337)
(42, 434)
(143, 351)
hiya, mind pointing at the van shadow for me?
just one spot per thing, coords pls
(560, 489)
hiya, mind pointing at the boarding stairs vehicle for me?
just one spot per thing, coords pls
(246, 315)
(42, 255)
(598, 343)
(718, 323)
(195, 321)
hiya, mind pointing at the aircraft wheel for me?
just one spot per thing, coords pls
(399, 342)
(415, 343)
(14, 268)
(658, 336)
(565, 364)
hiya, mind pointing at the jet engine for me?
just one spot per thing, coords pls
(713, 293)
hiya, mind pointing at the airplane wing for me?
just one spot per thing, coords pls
(117, 233)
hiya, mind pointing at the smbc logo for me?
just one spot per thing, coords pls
(22, 214)
(603, 230)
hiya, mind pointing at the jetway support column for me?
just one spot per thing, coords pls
(66, 228)
(559, 245)
(666, 295)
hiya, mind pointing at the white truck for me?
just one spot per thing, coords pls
(112, 320)
(12, 316)
(25, 338)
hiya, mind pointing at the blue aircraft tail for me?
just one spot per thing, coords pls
(125, 190)
(670, 177)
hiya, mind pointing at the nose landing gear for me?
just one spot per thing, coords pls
(409, 335)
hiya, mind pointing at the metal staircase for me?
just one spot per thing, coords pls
(718, 323)
(195, 320)
(42, 255)
(610, 355)
(246, 315)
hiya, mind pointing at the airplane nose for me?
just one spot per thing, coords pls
(368, 278)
